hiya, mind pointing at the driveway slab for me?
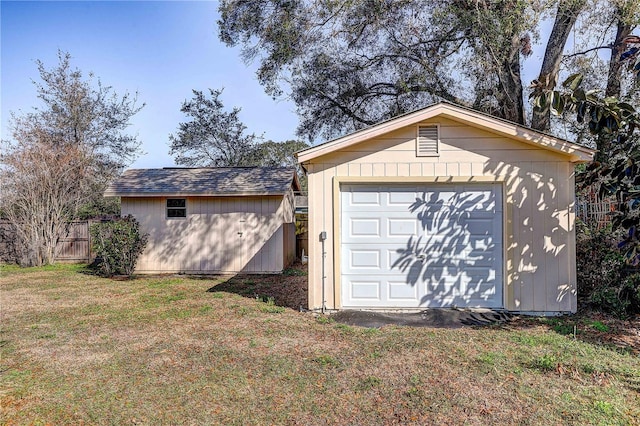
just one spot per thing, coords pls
(437, 318)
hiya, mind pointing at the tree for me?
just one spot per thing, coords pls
(213, 137)
(347, 65)
(618, 174)
(42, 183)
(61, 155)
(278, 154)
(566, 16)
(281, 154)
(77, 111)
(597, 51)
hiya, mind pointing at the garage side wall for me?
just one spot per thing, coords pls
(219, 235)
(539, 238)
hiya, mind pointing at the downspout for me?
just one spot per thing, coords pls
(323, 237)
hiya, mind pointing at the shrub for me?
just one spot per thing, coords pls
(118, 244)
(598, 261)
(604, 280)
(621, 299)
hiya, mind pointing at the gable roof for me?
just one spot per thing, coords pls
(204, 181)
(577, 153)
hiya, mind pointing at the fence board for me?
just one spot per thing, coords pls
(75, 246)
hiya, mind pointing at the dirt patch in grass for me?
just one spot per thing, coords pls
(289, 289)
(166, 350)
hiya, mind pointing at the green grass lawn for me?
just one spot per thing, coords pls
(78, 349)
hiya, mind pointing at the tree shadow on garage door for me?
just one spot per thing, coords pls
(457, 258)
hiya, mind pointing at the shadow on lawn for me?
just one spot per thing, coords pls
(591, 327)
(288, 289)
(601, 329)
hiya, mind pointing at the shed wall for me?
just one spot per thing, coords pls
(219, 235)
(539, 238)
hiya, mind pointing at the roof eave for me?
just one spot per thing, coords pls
(188, 194)
(576, 153)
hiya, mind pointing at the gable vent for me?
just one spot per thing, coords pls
(427, 143)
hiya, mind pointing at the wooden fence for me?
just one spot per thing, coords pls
(74, 247)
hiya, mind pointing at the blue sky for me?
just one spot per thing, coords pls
(162, 50)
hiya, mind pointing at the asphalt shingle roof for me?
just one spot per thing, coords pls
(210, 181)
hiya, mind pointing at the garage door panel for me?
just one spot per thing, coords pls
(370, 291)
(467, 290)
(439, 224)
(365, 290)
(405, 227)
(463, 259)
(402, 291)
(378, 228)
(437, 196)
(365, 198)
(421, 246)
(365, 259)
(479, 227)
(399, 197)
(364, 227)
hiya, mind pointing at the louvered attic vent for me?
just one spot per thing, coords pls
(427, 142)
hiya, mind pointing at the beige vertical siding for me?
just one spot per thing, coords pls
(539, 246)
(219, 234)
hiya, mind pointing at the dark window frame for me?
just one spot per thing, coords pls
(176, 208)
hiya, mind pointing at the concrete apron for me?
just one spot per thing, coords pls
(435, 318)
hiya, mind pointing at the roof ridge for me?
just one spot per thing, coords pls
(219, 167)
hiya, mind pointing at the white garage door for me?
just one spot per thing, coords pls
(414, 246)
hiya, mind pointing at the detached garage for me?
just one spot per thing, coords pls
(212, 220)
(443, 207)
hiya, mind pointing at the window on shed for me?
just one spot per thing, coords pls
(427, 141)
(176, 207)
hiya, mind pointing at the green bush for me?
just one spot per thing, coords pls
(604, 279)
(598, 261)
(118, 244)
(621, 299)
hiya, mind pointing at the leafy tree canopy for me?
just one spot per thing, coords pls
(214, 137)
(617, 125)
(278, 154)
(83, 112)
(62, 154)
(349, 64)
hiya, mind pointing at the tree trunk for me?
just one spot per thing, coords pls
(511, 98)
(568, 11)
(615, 67)
(603, 144)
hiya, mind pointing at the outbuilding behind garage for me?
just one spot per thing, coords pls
(212, 220)
(443, 207)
